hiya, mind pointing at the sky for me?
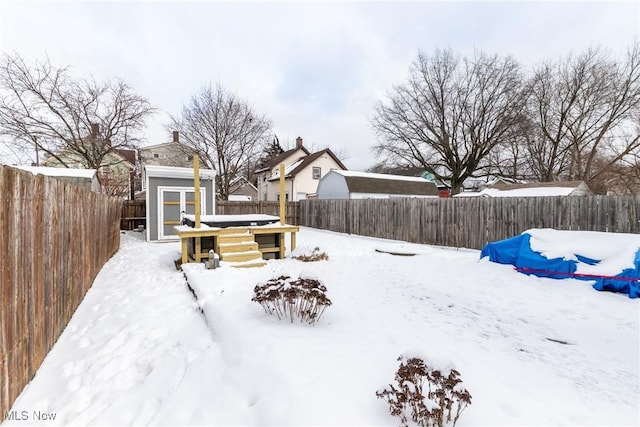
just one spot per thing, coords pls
(315, 68)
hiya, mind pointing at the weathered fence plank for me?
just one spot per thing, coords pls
(470, 222)
(54, 238)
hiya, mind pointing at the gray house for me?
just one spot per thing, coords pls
(170, 194)
(342, 184)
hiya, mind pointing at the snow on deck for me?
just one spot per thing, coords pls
(531, 351)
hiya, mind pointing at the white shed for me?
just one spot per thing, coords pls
(342, 184)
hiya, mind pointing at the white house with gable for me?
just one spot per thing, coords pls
(303, 172)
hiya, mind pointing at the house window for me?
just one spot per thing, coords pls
(190, 158)
(286, 197)
(156, 155)
(317, 172)
(105, 169)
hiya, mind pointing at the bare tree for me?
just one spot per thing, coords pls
(450, 114)
(225, 132)
(584, 111)
(44, 110)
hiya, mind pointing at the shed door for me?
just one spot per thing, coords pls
(171, 203)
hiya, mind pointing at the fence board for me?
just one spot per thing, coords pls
(470, 222)
(54, 238)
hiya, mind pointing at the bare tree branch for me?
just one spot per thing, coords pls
(225, 132)
(450, 114)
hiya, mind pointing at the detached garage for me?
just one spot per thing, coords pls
(170, 195)
(341, 184)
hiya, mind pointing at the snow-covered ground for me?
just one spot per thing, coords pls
(531, 351)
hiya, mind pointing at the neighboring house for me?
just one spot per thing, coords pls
(241, 190)
(170, 194)
(444, 190)
(167, 154)
(87, 178)
(116, 171)
(303, 171)
(172, 153)
(341, 184)
(538, 189)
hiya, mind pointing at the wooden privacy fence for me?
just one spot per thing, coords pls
(267, 208)
(470, 222)
(54, 238)
(133, 214)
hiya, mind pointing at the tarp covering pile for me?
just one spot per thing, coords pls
(611, 260)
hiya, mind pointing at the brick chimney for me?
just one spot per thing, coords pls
(95, 130)
(298, 142)
(176, 136)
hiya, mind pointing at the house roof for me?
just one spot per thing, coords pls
(312, 157)
(365, 182)
(415, 171)
(280, 158)
(240, 182)
(114, 153)
(296, 167)
(126, 153)
(536, 189)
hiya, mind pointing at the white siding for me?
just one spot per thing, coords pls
(266, 187)
(303, 182)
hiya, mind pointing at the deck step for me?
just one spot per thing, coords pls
(248, 245)
(234, 238)
(241, 256)
(247, 264)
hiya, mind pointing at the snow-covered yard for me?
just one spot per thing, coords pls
(531, 351)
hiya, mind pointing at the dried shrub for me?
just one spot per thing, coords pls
(304, 299)
(427, 395)
(315, 255)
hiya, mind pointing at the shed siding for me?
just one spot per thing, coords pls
(152, 199)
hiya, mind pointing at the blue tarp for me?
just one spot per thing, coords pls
(517, 251)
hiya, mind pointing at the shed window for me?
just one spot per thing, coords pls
(317, 172)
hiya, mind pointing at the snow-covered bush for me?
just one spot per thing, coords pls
(430, 396)
(303, 298)
(306, 255)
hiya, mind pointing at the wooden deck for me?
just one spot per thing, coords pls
(270, 239)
